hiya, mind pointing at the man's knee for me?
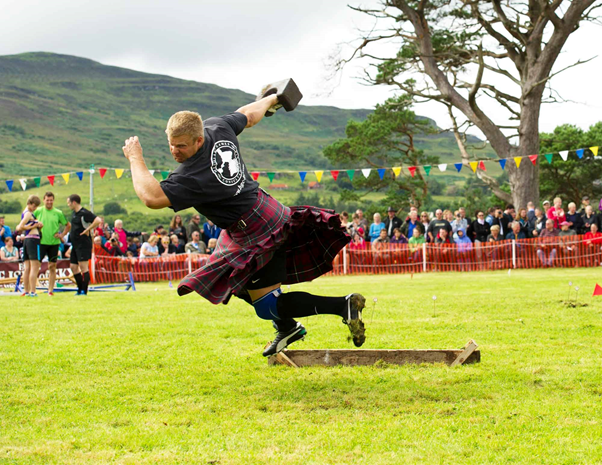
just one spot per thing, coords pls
(52, 266)
(266, 306)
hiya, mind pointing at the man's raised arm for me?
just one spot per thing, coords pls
(256, 111)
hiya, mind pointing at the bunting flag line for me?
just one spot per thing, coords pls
(473, 166)
(9, 184)
(255, 175)
(334, 174)
(482, 166)
(594, 150)
(319, 175)
(412, 170)
(517, 160)
(51, 180)
(119, 172)
(564, 154)
(458, 166)
(271, 176)
(580, 153)
(533, 159)
(351, 173)
(36, 181)
(302, 175)
(23, 182)
(102, 172)
(442, 167)
(80, 175)
(381, 172)
(502, 162)
(66, 177)
(396, 170)
(427, 169)
(549, 157)
(366, 172)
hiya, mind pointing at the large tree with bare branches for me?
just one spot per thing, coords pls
(463, 52)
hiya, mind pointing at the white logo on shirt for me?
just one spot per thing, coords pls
(226, 163)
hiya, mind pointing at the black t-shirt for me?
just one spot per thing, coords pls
(436, 225)
(215, 180)
(80, 220)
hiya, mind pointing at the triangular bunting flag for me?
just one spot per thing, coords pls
(564, 154)
(458, 166)
(366, 172)
(36, 181)
(335, 174)
(351, 173)
(271, 176)
(580, 153)
(255, 175)
(473, 166)
(549, 157)
(152, 172)
(23, 182)
(442, 167)
(502, 163)
(9, 184)
(598, 290)
(427, 170)
(302, 175)
(412, 170)
(517, 160)
(533, 159)
(381, 172)
(164, 174)
(80, 175)
(594, 150)
(51, 180)
(102, 172)
(119, 172)
(319, 175)
(66, 177)
(397, 170)
(482, 166)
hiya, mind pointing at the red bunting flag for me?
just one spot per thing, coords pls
(482, 166)
(412, 170)
(533, 159)
(51, 180)
(255, 175)
(102, 172)
(598, 290)
(335, 174)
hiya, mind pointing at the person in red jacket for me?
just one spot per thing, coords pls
(556, 213)
(593, 244)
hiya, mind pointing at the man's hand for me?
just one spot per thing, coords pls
(85, 232)
(132, 148)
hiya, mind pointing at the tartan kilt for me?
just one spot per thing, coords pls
(312, 238)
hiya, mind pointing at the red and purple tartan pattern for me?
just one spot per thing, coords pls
(312, 237)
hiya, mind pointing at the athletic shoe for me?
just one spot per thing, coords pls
(33, 294)
(25, 294)
(50, 294)
(355, 304)
(284, 338)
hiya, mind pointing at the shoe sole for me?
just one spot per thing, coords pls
(356, 327)
(294, 337)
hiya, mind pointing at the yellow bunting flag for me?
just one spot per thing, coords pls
(397, 170)
(517, 160)
(119, 172)
(473, 165)
(594, 150)
(319, 175)
(66, 177)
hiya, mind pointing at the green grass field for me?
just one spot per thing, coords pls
(149, 377)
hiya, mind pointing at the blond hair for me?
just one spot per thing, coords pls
(185, 123)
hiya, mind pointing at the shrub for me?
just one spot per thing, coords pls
(113, 208)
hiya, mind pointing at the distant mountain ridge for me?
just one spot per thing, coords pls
(62, 113)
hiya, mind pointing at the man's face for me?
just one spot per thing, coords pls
(462, 212)
(1, 222)
(439, 214)
(550, 225)
(572, 209)
(383, 233)
(360, 214)
(196, 219)
(195, 236)
(391, 214)
(565, 227)
(499, 213)
(585, 202)
(49, 202)
(184, 147)
(516, 228)
(413, 215)
(70, 204)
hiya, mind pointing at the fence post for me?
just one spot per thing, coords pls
(345, 260)
(189, 262)
(424, 257)
(513, 253)
(92, 266)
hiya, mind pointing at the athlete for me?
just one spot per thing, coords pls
(263, 243)
(31, 246)
(82, 222)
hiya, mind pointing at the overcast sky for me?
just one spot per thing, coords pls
(244, 44)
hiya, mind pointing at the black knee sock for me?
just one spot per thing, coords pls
(86, 281)
(299, 304)
(79, 280)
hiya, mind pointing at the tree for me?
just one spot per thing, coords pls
(114, 208)
(462, 53)
(386, 139)
(574, 178)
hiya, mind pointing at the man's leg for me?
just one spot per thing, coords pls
(77, 276)
(26, 271)
(83, 266)
(51, 276)
(33, 276)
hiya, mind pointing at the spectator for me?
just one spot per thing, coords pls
(149, 249)
(547, 245)
(425, 220)
(523, 220)
(407, 228)
(556, 213)
(448, 216)
(354, 225)
(4, 230)
(593, 242)
(502, 221)
(574, 218)
(462, 241)
(436, 225)
(114, 247)
(392, 222)
(376, 227)
(160, 231)
(565, 229)
(415, 245)
(584, 204)
(530, 211)
(459, 223)
(462, 211)
(100, 229)
(490, 215)
(344, 219)
(106, 237)
(589, 218)
(166, 248)
(510, 213)
(546, 207)
(175, 246)
(357, 239)
(98, 248)
(177, 227)
(211, 246)
(537, 223)
(196, 245)
(494, 252)
(134, 247)
(516, 232)
(479, 229)
(363, 221)
(122, 235)
(443, 237)
(398, 238)
(210, 231)
(193, 225)
(495, 235)
(380, 240)
(9, 253)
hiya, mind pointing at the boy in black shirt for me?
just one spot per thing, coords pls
(82, 222)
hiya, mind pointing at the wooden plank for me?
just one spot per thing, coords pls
(364, 357)
(468, 349)
(282, 359)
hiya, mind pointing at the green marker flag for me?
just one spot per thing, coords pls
(164, 174)
(36, 181)
(271, 176)
(549, 157)
(427, 170)
(351, 173)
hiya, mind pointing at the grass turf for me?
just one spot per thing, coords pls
(148, 377)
